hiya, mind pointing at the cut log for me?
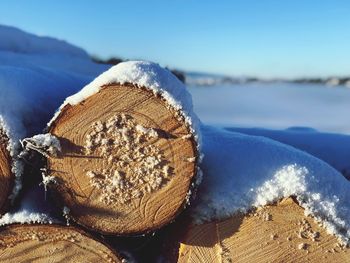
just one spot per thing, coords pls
(275, 233)
(6, 176)
(127, 163)
(242, 172)
(49, 243)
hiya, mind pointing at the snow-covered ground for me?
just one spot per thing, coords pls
(274, 106)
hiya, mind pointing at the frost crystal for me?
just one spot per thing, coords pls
(133, 164)
(25, 217)
(65, 213)
(47, 179)
(46, 144)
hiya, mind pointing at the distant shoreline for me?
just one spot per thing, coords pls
(207, 79)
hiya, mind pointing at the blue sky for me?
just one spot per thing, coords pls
(281, 38)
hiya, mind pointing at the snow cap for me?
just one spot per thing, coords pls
(148, 75)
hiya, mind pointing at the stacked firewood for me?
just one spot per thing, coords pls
(117, 165)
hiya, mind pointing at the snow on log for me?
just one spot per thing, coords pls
(332, 148)
(273, 233)
(51, 243)
(130, 148)
(242, 172)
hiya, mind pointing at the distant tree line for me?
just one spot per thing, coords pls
(337, 81)
(114, 61)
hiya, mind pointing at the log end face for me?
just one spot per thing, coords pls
(51, 243)
(276, 233)
(127, 162)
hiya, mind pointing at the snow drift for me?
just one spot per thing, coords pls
(23, 50)
(332, 148)
(18, 41)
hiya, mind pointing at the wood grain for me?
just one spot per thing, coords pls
(276, 233)
(136, 215)
(6, 175)
(50, 243)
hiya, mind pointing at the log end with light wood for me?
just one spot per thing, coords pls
(49, 243)
(6, 175)
(275, 233)
(127, 163)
